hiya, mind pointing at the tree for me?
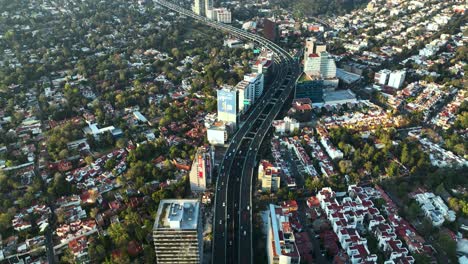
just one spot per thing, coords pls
(392, 169)
(449, 246)
(313, 184)
(345, 166)
(5, 221)
(118, 234)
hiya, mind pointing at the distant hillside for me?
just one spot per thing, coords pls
(303, 8)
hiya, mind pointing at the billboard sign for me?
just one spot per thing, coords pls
(200, 166)
(227, 102)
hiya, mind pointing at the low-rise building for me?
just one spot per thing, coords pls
(269, 176)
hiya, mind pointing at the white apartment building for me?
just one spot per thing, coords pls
(382, 76)
(320, 65)
(287, 125)
(222, 15)
(396, 79)
(200, 173)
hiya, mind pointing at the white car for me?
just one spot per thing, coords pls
(224, 204)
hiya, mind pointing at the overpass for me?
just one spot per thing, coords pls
(232, 224)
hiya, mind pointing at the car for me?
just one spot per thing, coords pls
(230, 242)
(248, 207)
(245, 233)
(222, 183)
(224, 204)
(228, 216)
(220, 222)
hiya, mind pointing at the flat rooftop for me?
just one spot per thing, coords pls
(177, 214)
(347, 77)
(339, 95)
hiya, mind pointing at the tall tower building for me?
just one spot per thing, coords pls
(396, 79)
(177, 232)
(209, 9)
(320, 65)
(200, 173)
(199, 7)
(227, 104)
(309, 48)
(257, 80)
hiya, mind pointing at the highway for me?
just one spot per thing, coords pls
(232, 224)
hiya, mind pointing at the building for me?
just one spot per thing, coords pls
(285, 126)
(200, 173)
(306, 87)
(227, 104)
(396, 79)
(301, 109)
(309, 47)
(257, 81)
(199, 7)
(270, 30)
(339, 97)
(382, 76)
(313, 47)
(177, 232)
(246, 95)
(222, 15)
(320, 65)
(269, 175)
(249, 90)
(208, 8)
(434, 208)
(281, 246)
(217, 131)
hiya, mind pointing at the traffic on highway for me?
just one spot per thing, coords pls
(232, 239)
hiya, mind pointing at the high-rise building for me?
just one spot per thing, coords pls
(396, 79)
(249, 89)
(200, 173)
(246, 95)
(310, 88)
(320, 65)
(320, 47)
(309, 47)
(227, 104)
(270, 30)
(257, 80)
(209, 9)
(199, 7)
(313, 47)
(269, 175)
(177, 232)
(222, 15)
(381, 77)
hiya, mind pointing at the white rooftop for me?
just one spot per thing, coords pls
(177, 214)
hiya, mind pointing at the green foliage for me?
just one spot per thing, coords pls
(58, 138)
(118, 234)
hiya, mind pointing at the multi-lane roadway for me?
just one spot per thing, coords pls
(232, 224)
